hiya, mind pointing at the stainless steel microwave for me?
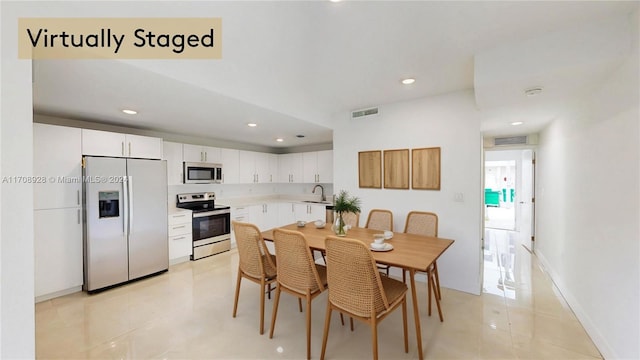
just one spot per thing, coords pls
(202, 173)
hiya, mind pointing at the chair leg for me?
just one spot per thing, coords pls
(342, 319)
(308, 325)
(327, 322)
(351, 322)
(300, 304)
(404, 324)
(274, 313)
(374, 336)
(235, 302)
(262, 286)
(404, 276)
(269, 291)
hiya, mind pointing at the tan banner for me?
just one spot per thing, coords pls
(120, 38)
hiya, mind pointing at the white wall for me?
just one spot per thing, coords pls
(588, 214)
(16, 241)
(451, 122)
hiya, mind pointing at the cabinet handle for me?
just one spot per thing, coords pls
(78, 196)
(271, 178)
(205, 156)
(177, 216)
(179, 238)
(257, 178)
(129, 148)
(78, 216)
(178, 227)
(201, 156)
(123, 148)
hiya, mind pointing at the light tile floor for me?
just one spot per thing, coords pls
(186, 314)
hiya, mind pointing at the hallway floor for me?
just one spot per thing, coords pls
(186, 314)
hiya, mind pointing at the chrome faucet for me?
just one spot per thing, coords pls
(322, 193)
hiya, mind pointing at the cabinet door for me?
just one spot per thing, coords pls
(192, 153)
(296, 168)
(262, 167)
(310, 167)
(58, 250)
(172, 152)
(271, 215)
(212, 155)
(318, 212)
(230, 166)
(325, 166)
(284, 166)
(247, 169)
(57, 157)
(272, 160)
(286, 214)
(143, 147)
(103, 143)
(302, 212)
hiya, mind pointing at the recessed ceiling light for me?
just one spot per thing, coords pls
(130, 112)
(252, 124)
(299, 136)
(279, 139)
(408, 81)
(516, 123)
(533, 91)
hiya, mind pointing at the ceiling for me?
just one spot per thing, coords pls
(295, 68)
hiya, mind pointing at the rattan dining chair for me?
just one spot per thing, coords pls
(351, 219)
(256, 263)
(379, 219)
(357, 289)
(298, 274)
(426, 223)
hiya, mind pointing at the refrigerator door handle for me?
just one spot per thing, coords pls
(125, 206)
(130, 189)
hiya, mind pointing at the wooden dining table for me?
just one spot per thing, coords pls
(410, 252)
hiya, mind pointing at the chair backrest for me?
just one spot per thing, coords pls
(380, 220)
(354, 280)
(296, 268)
(352, 219)
(252, 250)
(422, 223)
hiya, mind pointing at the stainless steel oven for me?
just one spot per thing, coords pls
(211, 224)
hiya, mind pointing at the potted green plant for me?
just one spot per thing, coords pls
(344, 204)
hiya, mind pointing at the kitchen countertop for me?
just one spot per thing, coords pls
(239, 202)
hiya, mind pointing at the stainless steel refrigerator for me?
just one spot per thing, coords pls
(125, 220)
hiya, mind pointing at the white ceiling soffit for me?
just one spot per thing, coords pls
(565, 64)
(97, 90)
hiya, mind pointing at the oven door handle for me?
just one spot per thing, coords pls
(210, 213)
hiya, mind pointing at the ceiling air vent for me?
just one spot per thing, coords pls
(511, 140)
(364, 112)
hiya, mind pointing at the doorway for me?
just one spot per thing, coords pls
(508, 214)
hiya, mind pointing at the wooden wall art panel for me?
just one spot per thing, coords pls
(396, 169)
(370, 169)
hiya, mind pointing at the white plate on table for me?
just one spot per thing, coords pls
(387, 247)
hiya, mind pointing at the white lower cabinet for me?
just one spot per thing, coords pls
(180, 237)
(58, 252)
(264, 216)
(286, 214)
(238, 213)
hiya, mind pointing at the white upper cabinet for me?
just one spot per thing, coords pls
(105, 143)
(290, 168)
(143, 147)
(230, 160)
(248, 167)
(57, 158)
(172, 152)
(197, 153)
(318, 166)
(257, 167)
